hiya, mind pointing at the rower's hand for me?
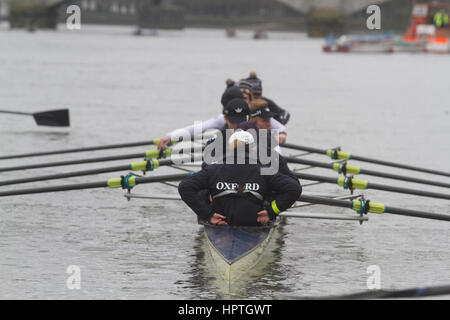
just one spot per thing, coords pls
(263, 217)
(281, 138)
(163, 142)
(218, 219)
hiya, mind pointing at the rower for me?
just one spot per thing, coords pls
(235, 112)
(219, 122)
(282, 115)
(259, 120)
(246, 88)
(241, 195)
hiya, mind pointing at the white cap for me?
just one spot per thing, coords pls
(241, 137)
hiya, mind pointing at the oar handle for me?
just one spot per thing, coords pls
(16, 112)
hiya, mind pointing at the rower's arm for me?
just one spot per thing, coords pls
(281, 129)
(217, 122)
(276, 125)
(287, 192)
(189, 189)
(282, 115)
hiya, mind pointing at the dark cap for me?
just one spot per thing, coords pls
(230, 94)
(263, 112)
(237, 110)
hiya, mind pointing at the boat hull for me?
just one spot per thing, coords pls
(379, 47)
(437, 45)
(411, 48)
(360, 43)
(236, 250)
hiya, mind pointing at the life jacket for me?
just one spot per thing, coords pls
(439, 19)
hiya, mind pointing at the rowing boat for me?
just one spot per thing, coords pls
(228, 253)
(236, 250)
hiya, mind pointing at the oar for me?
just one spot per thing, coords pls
(405, 293)
(346, 182)
(130, 181)
(365, 206)
(146, 154)
(337, 154)
(95, 148)
(353, 184)
(387, 294)
(75, 150)
(349, 169)
(52, 118)
(144, 166)
(124, 182)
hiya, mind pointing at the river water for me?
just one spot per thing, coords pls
(122, 88)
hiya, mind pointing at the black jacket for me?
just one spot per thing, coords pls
(276, 192)
(282, 163)
(282, 115)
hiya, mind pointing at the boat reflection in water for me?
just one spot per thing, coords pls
(238, 262)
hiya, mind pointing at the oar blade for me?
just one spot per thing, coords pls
(53, 118)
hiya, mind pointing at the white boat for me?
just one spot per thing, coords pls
(240, 253)
(360, 43)
(376, 47)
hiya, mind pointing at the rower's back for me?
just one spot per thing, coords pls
(238, 191)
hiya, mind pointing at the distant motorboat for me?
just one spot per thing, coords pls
(424, 31)
(376, 43)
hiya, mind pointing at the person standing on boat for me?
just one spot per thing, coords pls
(281, 115)
(239, 191)
(440, 19)
(220, 122)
